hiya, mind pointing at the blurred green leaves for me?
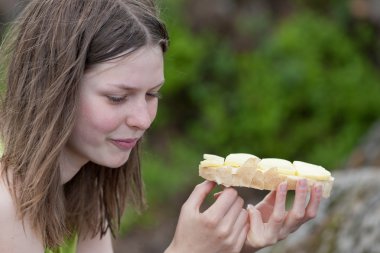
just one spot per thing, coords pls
(305, 93)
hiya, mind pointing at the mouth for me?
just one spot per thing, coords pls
(125, 144)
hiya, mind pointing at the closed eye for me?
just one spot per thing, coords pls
(154, 95)
(116, 99)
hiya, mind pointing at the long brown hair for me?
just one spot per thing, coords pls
(49, 48)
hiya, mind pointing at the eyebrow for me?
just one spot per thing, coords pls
(124, 86)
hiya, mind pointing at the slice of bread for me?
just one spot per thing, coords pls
(265, 174)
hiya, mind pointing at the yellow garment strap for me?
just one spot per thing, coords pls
(69, 246)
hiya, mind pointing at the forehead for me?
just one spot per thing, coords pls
(142, 65)
(129, 59)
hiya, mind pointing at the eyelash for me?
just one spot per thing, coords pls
(118, 100)
(155, 95)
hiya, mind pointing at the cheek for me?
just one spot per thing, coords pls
(98, 117)
(152, 108)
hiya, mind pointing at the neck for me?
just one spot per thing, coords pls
(69, 165)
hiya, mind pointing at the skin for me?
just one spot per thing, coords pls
(117, 102)
(267, 223)
(270, 222)
(221, 228)
(13, 237)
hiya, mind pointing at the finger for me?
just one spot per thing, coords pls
(242, 237)
(242, 222)
(235, 219)
(299, 204)
(199, 194)
(216, 195)
(257, 227)
(254, 217)
(297, 213)
(301, 195)
(223, 204)
(268, 201)
(277, 218)
(315, 200)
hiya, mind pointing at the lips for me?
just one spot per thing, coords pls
(124, 144)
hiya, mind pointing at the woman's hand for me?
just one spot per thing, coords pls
(223, 227)
(269, 220)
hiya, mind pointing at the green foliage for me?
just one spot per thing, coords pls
(306, 93)
(165, 177)
(181, 63)
(311, 93)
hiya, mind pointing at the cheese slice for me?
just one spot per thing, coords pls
(212, 160)
(283, 166)
(311, 171)
(241, 169)
(237, 159)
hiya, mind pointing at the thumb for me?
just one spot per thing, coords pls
(256, 234)
(255, 218)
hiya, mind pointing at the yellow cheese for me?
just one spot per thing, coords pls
(283, 166)
(238, 159)
(212, 161)
(311, 171)
(213, 157)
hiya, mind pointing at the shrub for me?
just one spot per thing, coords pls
(305, 93)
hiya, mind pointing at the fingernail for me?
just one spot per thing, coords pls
(302, 183)
(319, 190)
(283, 187)
(250, 207)
(216, 195)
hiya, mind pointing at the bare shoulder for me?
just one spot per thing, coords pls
(14, 237)
(95, 245)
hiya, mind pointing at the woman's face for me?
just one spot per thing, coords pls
(117, 103)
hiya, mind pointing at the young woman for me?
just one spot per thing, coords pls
(83, 80)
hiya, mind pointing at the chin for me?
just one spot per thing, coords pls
(115, 162)
(111, 164)
(110, 159)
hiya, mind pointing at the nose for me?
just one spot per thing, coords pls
(140, 116)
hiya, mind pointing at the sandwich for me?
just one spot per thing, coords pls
(247, 170)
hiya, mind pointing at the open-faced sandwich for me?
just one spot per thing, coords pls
(265, 174)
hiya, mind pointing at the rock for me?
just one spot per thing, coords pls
(348, 221)
(368, 151)
(154, 239)
(366, 9)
